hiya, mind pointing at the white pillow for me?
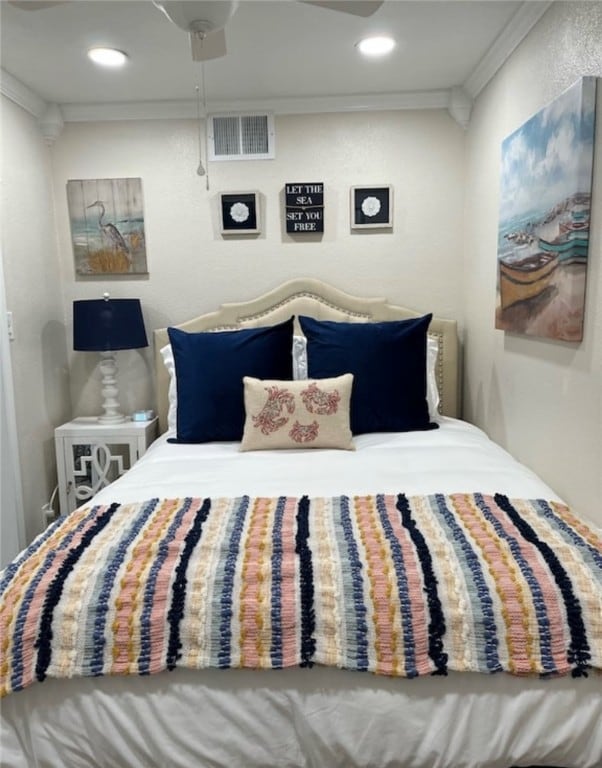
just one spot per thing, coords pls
(432, 391)
(172, 395)
(299, 357)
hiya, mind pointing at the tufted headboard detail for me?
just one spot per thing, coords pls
(308, 296)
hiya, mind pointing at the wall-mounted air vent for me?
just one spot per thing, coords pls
(241, 137)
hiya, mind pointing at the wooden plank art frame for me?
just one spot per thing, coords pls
(107, 226)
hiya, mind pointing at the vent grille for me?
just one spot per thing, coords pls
(226, 135)
(254, 134)
(241, 137)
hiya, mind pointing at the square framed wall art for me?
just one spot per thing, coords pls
(304, 207)
(372, 207)
(107, 226)
(239, 213)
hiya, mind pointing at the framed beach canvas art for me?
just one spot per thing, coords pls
(107, 226)
(544, 222)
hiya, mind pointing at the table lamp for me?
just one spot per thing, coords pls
(107, 325)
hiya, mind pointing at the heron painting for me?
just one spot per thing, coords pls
(107, 226)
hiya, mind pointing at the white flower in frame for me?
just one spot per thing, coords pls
(370, 206)
(239, 212)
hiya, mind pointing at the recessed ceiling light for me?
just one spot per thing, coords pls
(107, 57)
(376, 46)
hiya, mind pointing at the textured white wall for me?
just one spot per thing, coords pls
(540, 399)
(193, 268)
(33, 284)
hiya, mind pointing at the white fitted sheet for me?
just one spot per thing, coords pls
(318, 718)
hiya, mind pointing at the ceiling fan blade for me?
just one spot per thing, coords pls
(34, 5)
(363, 8)
(209, 46)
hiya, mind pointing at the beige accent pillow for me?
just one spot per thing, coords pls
(311, 413)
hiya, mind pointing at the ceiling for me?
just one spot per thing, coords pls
(279, 52)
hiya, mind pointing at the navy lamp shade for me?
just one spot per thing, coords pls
(107, 325)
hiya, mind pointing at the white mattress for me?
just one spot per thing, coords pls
(323, 718)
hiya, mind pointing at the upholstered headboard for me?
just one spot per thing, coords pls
(307, 296)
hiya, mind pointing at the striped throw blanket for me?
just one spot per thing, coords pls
(392, 584)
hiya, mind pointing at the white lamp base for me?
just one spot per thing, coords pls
(110, 392)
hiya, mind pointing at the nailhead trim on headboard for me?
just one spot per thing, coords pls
(306, 295)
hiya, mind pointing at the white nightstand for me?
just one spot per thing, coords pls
(90, 455)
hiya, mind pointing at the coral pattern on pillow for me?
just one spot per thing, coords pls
(311, 413)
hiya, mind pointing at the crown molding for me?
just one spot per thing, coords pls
(169, 110)
(458, 100)
(460, 106)
(511, 36)
(51, 123)
(16, 91)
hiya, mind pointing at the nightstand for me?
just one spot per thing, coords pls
(90, 455)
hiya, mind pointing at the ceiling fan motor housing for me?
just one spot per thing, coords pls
(202, 17)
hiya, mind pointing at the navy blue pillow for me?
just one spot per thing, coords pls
(388, 363)
(209, 370)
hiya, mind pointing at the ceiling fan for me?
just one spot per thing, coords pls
(205, 20)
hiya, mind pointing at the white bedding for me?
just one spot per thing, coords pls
(323, 718)
(457, 457)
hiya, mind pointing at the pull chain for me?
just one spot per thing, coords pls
(200, 170)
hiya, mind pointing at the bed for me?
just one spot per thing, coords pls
(342, 647)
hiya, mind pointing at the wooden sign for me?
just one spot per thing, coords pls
(304, 207)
